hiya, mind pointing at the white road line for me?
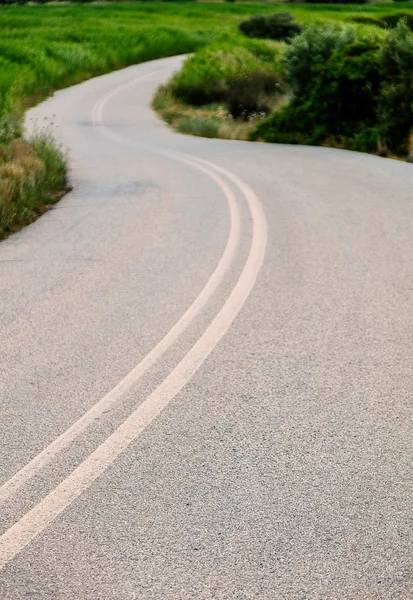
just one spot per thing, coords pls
(97, 110)
(10, 487)
(15, 539)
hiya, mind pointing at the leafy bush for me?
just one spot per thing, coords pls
(396, 98)
(230, 74)
(336, 81)
(309, 51)
(278, 26)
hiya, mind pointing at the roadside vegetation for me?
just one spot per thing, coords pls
(347, 91)
(223, 90)
(32, 176)
(235, 82)
(342, 84)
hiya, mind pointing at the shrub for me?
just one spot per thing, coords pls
(231, 74)
(396, 98)
(278, 26)
(336, 82)
(309, 51)
(247, 95)
(366, 140)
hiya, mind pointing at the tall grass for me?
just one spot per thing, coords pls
(32, 176)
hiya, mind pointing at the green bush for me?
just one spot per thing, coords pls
(396, 98)
(336, 81)
(278, 26)
(352, 93)
(233, 75)
(309, 51)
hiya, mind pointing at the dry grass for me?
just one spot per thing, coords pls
(212, 121)
(32, 177)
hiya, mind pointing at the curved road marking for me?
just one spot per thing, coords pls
(10, 487)
(97, 110)
(17, 537)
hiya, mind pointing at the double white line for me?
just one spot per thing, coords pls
(15, 539)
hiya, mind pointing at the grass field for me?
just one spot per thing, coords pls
(44, 47)
(47, 47)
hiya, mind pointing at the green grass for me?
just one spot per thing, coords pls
(47, 47)
(43, 47)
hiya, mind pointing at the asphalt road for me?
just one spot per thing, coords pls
(206, 367)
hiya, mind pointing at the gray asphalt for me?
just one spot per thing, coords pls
(283, 469)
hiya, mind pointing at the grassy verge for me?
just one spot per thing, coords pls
(47, 47)
(224, 90)
(32, 178)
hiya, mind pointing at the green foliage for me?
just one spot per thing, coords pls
(393, 20)
(396, 99)
(54, 161)
(309, 51)
(337, 1)
(278, 26)
(236, 75)
(355, 93)
(336, 82)
(43, 48)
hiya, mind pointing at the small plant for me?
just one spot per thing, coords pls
(278, 26)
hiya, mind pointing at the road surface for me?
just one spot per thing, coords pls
(206, 366)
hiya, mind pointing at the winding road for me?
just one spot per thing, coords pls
(206, 366)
